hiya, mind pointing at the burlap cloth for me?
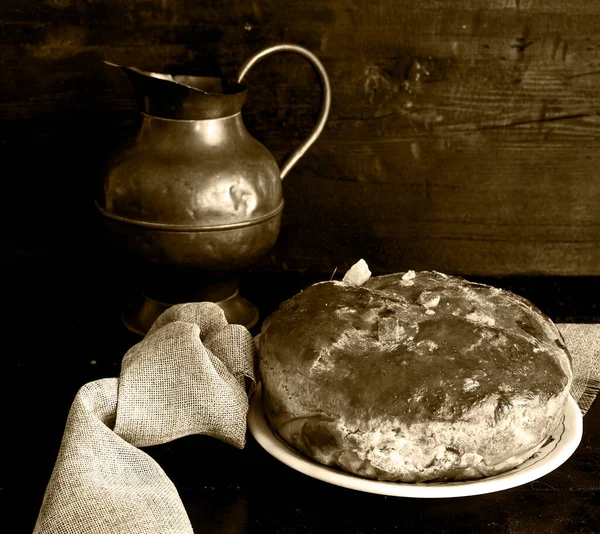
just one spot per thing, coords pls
(187, 376)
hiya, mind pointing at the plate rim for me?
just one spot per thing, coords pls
(572, 425)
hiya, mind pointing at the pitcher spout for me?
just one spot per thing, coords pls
(184, 97)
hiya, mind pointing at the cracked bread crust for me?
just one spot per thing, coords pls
(413, 377)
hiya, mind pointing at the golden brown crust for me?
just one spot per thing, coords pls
(413, 378)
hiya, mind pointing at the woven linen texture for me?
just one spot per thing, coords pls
(583, 342)
(192, 362)
(187, 376)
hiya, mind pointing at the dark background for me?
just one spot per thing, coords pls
(463, 135)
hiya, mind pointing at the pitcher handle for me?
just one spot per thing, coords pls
(325, 100)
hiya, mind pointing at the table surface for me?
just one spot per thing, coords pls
(64, 330)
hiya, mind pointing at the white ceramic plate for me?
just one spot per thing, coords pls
(559, 447)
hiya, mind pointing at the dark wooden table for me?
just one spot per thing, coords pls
(63, 329)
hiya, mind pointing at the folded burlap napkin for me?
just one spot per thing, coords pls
(583, 342)
(187, 376)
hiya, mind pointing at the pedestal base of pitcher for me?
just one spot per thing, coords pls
(140, 315)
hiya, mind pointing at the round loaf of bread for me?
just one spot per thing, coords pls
(413, 377)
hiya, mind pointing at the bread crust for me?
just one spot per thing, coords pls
(413, 378)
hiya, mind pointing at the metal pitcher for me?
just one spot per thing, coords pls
(196, 200)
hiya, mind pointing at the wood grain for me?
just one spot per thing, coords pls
(464, 136)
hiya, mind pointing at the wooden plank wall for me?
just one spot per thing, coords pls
(464, 136)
